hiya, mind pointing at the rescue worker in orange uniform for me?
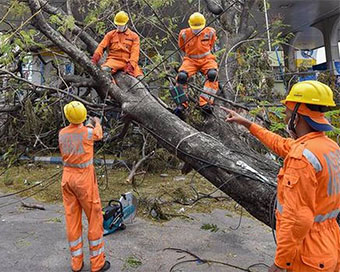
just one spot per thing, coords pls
(79, 187)
(123, 45)
(308, 185)
(196, 44)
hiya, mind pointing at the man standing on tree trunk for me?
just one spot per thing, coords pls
(308, 185)
(79, 187)
(123, 46)
(196, 43)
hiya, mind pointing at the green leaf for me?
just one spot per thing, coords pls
(69, 22)
(210, 227)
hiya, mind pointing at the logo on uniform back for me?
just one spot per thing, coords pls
(333, 159)
(71, 143)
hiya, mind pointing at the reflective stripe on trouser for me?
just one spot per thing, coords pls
(76, 249)
(80, 192)
(192, 66)
(73, 227)
(96, 253)
(209, 87)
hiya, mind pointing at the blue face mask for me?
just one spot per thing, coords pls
(196, 31)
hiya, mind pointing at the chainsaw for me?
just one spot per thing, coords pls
(119, 212)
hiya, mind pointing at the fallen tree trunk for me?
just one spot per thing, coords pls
(246, 176)
(227, 166)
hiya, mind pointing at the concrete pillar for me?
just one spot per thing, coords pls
(289, 54)
(329, 28)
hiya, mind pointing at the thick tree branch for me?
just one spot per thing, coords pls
(78, 81)
(54, 90)
(85, 37)
(214, 6)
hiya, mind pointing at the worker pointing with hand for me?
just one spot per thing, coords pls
(308, 184)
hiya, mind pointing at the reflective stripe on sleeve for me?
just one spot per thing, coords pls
(312, 159)
(89, 133)
(183, 37)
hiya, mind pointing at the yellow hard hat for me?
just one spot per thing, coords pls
(311, 92)
(196, 21)
(121, 18)
(75, 112)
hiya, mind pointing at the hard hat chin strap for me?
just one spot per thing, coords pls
(291, 124)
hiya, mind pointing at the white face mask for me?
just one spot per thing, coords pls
(121, 28)
(196, 31)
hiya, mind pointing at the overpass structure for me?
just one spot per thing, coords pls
(314, 23)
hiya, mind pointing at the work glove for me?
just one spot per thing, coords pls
(129, 69)
(95, 58)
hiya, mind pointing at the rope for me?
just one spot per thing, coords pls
(186, 137)
(241, 171)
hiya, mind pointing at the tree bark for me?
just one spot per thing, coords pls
(214, 6)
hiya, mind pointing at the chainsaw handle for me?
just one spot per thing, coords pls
(116, 201)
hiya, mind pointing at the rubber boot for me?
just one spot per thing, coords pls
(105, 267)
(186, 168)
(180, 112)
(207, 109)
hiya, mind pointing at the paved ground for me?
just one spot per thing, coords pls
(34, 240)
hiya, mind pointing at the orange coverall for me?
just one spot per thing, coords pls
(123, 48)
(198, 57)
(308, 201)
(80, 191)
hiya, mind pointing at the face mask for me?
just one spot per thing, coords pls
(196, 31)
(121, 28)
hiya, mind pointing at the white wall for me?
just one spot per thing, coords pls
(321, 54)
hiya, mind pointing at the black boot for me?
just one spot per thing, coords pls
(180, 112)
(207, 109)
(105, 267)
(186, 168)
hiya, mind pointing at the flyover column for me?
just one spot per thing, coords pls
(330, 31)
